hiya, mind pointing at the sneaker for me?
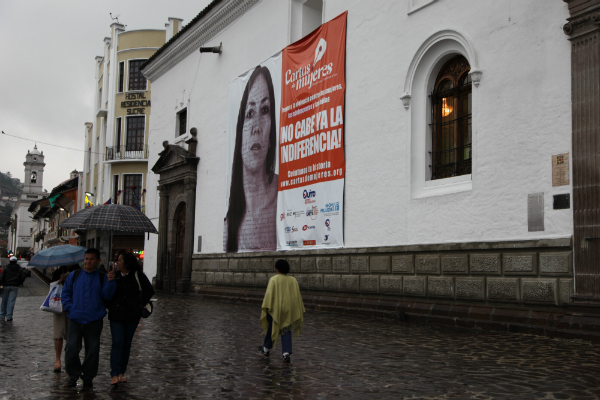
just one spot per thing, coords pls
(8, 319)
(87, 382)
(286, 358)
(262, 351)
(72, 382)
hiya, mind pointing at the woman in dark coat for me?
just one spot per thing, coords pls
(125, 311)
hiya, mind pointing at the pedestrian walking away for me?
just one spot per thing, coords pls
(60, 321)
(83, 299)
(282, 311)
(133, 292)
(11, 278)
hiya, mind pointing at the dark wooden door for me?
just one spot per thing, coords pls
(179, 242)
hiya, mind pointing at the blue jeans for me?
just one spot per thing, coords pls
(122, 336)
(90, 334)
(286, 338)
(9, 298)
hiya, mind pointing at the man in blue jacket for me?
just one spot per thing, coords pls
(83, 298)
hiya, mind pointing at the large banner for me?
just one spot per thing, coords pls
(285, 153)
(311, 140)
(252, 151)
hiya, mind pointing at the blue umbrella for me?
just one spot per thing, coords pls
(57, 256)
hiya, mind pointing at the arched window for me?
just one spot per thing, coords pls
(34, 177)
(451, 127)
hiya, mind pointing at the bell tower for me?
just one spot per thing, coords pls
(34, 171)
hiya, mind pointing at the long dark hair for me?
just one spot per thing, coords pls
(130, 261)
(237, 197)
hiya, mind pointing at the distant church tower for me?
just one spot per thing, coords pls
(34, 171)
(19, 235)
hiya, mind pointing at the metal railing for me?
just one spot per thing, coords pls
(127, 152)
(453, 162)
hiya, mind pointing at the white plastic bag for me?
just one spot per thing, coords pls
(53, 303)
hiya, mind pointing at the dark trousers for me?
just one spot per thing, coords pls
(122, 336)
(90, 333)
(286, 338)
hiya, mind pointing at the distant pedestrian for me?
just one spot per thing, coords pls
(12, 277)
(282, 311)
(125, 311)
(83, 299)
(60, 321)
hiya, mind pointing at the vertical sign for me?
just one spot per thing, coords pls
(311, 140)
(560, 170)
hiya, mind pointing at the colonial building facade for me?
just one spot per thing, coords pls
(469, 161)
(49, 212)
(116, 160)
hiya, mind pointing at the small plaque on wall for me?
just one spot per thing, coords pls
(562, 201)
(535, 212)
(560, 170)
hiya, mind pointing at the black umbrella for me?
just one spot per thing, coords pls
(110, 217)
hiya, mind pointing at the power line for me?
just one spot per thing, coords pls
(49, 144)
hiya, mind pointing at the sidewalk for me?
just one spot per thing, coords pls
(196, 348)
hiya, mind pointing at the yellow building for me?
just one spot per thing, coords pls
(116, 159)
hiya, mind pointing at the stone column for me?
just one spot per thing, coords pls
(163, 229)
(188, 244)
(583, 30)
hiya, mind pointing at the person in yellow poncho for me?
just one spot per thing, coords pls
(282, 311)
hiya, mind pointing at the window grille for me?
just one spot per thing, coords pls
(182, 122)
(116, 189)
(137, 81)
(121, 76)
(132, 190)
(451, 115)
(135, 133)
(118, 138)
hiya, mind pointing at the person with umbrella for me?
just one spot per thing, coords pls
(66, 257)
(134, 290)
(59, 321)
(83, 299)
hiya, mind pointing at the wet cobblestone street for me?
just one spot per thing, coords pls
(192, 348)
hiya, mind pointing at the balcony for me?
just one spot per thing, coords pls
(127, 152)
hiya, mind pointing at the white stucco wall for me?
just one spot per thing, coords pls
(521, 117)
(24, 226)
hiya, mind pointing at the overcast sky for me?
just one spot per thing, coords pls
(47, 81)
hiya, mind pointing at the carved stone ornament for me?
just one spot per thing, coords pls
(405, 100)
(581, 23)
(475, 77)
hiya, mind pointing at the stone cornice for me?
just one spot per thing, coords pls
(138, 49)
(194, 38)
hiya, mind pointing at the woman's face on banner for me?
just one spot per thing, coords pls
(257, 126)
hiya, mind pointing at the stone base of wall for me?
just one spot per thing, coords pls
(563, 323)
(518, 273)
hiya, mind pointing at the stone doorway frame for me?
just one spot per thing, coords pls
(177, 170)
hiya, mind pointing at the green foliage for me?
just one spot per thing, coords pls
(8, 188)
(7, 185)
